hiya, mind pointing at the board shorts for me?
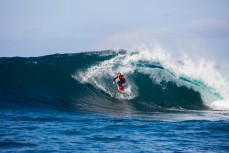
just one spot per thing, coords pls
(120, 83)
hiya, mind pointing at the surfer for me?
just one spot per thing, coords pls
(121, 81)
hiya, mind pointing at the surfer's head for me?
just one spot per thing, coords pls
(119, 73)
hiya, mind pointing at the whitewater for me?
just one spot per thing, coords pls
(200, 76)
(68, 103)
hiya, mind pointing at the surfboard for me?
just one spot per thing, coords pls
(120, 88)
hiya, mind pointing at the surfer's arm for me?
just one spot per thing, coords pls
(115, 79)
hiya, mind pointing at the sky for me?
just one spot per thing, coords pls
(41, 27)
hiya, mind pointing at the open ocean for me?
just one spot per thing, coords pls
(67, 103)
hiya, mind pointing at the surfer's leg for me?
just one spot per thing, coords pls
(119, 83)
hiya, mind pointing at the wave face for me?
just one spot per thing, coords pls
(155, 82)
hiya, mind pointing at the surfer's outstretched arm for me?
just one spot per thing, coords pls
(115, 79)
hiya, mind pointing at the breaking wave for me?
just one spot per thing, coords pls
(155, 82)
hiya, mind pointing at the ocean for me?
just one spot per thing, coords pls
(68, 103)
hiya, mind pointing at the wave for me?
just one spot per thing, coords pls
(83, 81)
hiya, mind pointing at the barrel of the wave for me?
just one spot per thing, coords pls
(120, 83)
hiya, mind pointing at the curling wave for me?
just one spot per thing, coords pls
(155, 82)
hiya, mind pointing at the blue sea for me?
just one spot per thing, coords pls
(68, 103)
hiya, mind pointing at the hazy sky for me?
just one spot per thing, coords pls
(41, 27)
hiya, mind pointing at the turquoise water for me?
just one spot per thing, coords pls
(67, 103)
